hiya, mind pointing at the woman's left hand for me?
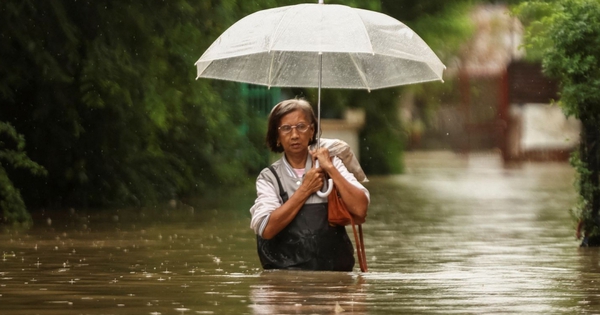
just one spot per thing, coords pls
(356, 201)
(322, 155)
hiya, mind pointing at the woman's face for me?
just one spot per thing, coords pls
(295, 142)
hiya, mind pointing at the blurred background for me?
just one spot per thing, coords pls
(101, 109)
(125, 183)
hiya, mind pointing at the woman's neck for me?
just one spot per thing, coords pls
(297, 161)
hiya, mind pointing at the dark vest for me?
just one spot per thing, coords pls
(309, 242)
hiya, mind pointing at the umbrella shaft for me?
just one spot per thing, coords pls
(319, 102)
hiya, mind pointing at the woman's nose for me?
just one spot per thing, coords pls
(295, 133)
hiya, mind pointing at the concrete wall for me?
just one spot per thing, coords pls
(541, 132)
(346, 129)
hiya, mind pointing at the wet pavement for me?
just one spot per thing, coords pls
(453, 235)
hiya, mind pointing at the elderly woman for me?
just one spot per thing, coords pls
(289, 218)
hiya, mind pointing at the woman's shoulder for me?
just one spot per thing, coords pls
(267, 172)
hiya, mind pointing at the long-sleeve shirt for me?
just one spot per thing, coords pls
(268, 198)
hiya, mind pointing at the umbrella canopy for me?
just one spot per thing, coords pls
(318, 45)
(322, 46)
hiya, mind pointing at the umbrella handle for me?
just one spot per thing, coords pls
(326, 193)
(328, 186)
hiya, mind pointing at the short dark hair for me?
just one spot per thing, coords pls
(282, 109)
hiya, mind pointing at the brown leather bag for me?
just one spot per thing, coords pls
(338, 214)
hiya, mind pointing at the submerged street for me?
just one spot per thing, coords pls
(454, 234)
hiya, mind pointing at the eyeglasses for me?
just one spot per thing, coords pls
(301, 127)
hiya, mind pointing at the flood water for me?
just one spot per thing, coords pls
(453, 235)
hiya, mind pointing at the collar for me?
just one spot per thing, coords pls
(290, 169)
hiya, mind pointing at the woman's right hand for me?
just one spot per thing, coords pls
(313, 180)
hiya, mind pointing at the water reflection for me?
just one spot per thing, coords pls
(452, 235)
(289, 292)
(588, 280)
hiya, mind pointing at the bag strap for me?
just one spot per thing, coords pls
(360, 246)
(282, 193)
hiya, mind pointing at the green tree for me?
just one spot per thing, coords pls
(565, 34)
(12, 154)
(104, 93)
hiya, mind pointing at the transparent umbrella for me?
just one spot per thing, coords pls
(320, 46)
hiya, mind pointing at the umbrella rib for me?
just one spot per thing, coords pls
(271, 69)
(276, 29)
(366, 32)
(272, 43)
(360, 72)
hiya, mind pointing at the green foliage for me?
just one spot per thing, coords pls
(105, 93)
(444, 25)
(382, 143)
(565, 34)
(11, 203)
(536, 16)
(582, 210)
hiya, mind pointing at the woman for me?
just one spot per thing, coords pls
(289, 218)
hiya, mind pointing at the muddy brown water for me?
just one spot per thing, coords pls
(453, 235)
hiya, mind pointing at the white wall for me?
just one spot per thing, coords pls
(545, 126)
(346, 129)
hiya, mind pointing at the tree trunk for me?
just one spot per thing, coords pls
(589, 182)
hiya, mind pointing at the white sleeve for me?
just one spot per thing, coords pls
(349, 176)
(266, 202)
